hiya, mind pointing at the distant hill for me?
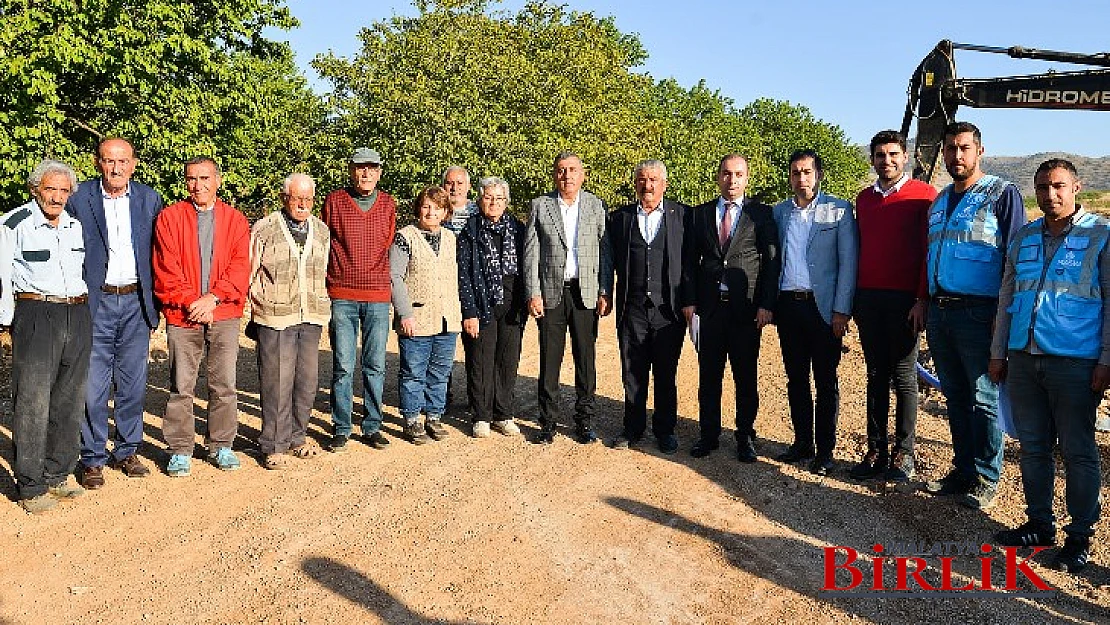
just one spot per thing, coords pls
(1095, 172)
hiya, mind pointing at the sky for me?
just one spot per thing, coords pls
(848, 62)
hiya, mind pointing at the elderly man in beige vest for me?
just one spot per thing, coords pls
(289, 308)
(425, 289)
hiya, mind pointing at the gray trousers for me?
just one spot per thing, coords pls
(187, 347)
(50, 363)
(288, 374)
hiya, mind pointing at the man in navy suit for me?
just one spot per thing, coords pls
(117, 216)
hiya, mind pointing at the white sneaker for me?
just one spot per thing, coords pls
(507, 427)
(481, 429)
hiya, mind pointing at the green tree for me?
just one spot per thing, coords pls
(178, 79)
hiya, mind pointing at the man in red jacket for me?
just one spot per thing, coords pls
(201, 275)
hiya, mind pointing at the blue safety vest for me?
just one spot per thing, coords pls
(1058, 301)
(964, 258)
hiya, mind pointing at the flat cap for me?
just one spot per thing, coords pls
(363, 156)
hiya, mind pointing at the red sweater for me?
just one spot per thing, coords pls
(893, 238)
(176, 261)
(358, 266)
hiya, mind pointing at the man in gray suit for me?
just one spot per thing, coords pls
(819, 244)
(568, 276)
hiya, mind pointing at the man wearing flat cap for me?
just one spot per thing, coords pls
(362, 220)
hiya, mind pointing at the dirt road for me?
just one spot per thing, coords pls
(501, 531)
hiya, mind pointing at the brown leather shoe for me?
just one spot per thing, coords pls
(131, 466)
(91, 478)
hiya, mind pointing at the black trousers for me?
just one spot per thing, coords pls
(491, 365)
(890, 352)
(650, 340)
(51, 344)
(730, 334)
(572, 314)
(808, 342)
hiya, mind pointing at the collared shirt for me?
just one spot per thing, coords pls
(894, 188)
(649, 223)
(1001, 338)
(36, 257)
(570, 228)
(459, 216)
(795, 264)
(121, 252)
(733, 214)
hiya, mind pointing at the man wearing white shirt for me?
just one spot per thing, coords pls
(117, 216)
(567, 280)
(646, 245)
(820, 244)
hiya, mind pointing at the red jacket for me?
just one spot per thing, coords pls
(177, 262)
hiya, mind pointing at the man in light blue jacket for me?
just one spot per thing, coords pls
(820, 243)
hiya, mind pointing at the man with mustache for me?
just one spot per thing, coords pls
(971, 224)
(43, 298)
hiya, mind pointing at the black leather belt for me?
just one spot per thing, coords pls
(126, 289)
(52, 299)
(961, 301)
(568, 284)
(797, 296)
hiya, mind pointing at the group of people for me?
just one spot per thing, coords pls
(87, 270)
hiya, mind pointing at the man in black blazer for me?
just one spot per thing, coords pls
(646, 242)
(117, 215)
(734, 261)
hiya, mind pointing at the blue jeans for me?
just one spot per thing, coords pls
(348, 320)
(426, 362)
(1052, 399)
(960, 340)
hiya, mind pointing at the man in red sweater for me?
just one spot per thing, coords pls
(362, 220)
(890, 303)
(201, 260)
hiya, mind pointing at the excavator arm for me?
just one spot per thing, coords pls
(935, 93)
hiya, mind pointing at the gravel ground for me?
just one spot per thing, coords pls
(501, 531)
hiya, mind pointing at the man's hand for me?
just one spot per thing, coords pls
(918, 314)
(201, 310)
(763, 317)
(408, 326)
(535, 306)
(996, 370)
(689, 312)
(470, 326)
(604, 306)
(839, 324)
(1100, 379)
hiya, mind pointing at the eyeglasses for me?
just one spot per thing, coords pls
(299, 198)
(495, 198)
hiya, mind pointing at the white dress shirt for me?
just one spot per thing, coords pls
(649, 223)
(570, 229)
(795, 264)
(894, 188)
(121, 252)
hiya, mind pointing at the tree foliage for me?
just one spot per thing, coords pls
(501, 93)
(178, 79)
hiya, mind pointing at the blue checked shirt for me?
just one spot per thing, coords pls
(36, 257)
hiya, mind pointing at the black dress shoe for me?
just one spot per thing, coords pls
(668, 444)
(585, 435)
(544, 437)
(625, 441)
(703, 448)
(745, 451)
(796, 454)
(821, 465)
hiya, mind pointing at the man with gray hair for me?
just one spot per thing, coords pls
(43, 298)
(456, 182)
(645, 243)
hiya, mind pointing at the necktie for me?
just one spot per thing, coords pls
(726, 224)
